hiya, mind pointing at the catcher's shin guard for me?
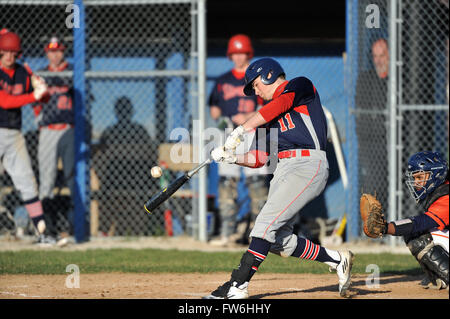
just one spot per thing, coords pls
(433, 257)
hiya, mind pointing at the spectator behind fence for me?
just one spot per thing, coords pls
(55, 120)
(123, 163)
(230, 108)
(371, 128)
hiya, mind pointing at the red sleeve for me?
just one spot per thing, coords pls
(276, 107)
(8, 101)
(438, 211)
(260, 158)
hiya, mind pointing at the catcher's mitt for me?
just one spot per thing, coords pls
(374, 223)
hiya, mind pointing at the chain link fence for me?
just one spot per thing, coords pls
(423, 35)
(140, 84)
(397, 82)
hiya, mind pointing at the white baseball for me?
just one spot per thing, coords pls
(156, 171)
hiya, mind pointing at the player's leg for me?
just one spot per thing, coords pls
(289, 244)
(227, 208)
(17, 164)
(433, 259)
(48, 168)
(48, 161)
(66, 150)
(258, 192)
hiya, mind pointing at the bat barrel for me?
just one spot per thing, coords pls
(156, 200)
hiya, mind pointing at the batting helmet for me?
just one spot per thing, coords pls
(240, 43)
(426, 162)
(54, 44)
(10, 41)
(267, 68)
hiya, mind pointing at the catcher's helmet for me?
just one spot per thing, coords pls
(267, 68)
(54, 44)
(10, 41)
(240, 43)
(427, 162)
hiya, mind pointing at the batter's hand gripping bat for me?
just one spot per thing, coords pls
(156, 200)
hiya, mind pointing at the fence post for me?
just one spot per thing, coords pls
(81, 147)
(392, 100)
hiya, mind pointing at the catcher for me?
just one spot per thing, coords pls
(426, 235)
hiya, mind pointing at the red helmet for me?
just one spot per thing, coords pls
(54, 44)
(10, 41)
(240, 43)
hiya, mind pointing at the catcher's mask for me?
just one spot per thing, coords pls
(267, 68)
(434, 171)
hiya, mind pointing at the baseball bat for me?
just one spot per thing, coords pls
(156, 200)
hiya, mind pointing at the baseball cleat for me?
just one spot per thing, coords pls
(344, 269)
(45, 241)
(230, 290)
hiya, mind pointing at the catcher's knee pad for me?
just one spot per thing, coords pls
(419, 245)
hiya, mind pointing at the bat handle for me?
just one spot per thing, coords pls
(199, 167)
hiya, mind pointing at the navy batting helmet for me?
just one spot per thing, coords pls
(426, 162)
(267, 68)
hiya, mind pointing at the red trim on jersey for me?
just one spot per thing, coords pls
(8, 101)
(238, 74)
(37, 109)
(276, 107)
(59, 68)
(9, 72)
(302, 109)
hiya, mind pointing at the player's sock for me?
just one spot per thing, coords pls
(36, 213)
(259, 248)
(306, 249)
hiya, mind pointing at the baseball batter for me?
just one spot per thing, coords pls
(230, 107)
(16, 90)
(296, 113)
(55, 120)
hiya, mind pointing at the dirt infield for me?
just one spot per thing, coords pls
(194, 286)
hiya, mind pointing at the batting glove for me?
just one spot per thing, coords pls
(40, 91)
(235, 138)
(220, 155)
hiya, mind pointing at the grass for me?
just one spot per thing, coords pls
(156, 260)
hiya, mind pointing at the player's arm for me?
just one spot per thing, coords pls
(215, 112)
(252, 159)
(413, 225)
(8, 101)
(435, 217)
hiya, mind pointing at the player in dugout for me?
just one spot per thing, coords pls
(18, 87)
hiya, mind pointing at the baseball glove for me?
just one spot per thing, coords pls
(374, 223)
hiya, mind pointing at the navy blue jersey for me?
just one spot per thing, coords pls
(14, 82)
(303, 125)
(59, 109)
(228, 95)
